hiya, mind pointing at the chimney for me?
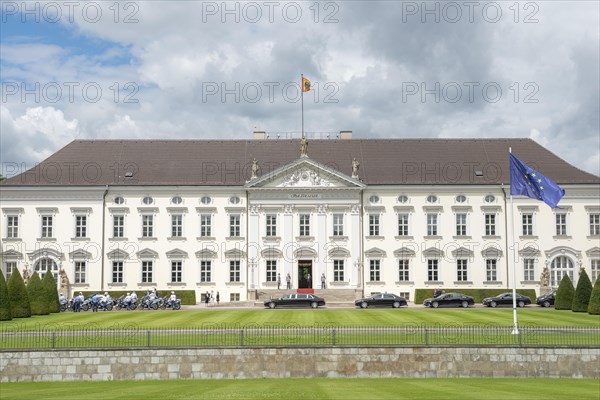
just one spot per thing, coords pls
(258, 135)
(345, 134)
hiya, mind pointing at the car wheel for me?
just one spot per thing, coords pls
(521, 304)
(493, 304)
(435, 304)
(271, 305)
(546, 304)
(364, 304)
(465, 304)
(396, 304)
(314, 304)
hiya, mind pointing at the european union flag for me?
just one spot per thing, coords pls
(528, 182)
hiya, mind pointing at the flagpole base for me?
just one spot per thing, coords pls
(515, 331)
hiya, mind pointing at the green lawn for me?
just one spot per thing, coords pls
(260, 317)
(343, 389)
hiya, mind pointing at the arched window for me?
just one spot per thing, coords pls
(46, 264)
(561, 266)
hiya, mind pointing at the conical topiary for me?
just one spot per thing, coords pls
(564, 294)
(5, 313)
(594, 306)
(17, 293)
(51, 292)
(582, 293)
(37, 295)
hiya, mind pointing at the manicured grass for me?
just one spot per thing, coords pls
(307, 318)
(343, 389)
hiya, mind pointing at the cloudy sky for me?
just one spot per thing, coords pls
(214, 70)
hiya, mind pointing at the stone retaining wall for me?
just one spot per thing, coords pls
(287, 362)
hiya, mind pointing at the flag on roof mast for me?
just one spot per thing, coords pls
(305, 84)
(528, 182)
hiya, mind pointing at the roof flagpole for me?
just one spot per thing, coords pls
(302, 101)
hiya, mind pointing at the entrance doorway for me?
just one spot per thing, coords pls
(305, 275)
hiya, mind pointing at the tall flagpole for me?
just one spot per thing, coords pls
(514, 257)
(302, 101)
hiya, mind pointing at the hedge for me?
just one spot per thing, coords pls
(477, 294)
(564, 294)
(582, 293)
(594, 306)
(17, 293)
(187, 297)
(51, 292)
(37, 295)
(5, 314)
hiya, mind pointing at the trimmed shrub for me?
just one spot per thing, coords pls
(51, 293)
(594, 306)
(564, 294)
(477, 294)
(17, 293)
(37, 296)
(582, 293)
(5, 314)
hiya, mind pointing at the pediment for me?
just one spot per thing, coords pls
(305, 252)
(44, 253)
(375, 252)
(117, 254)
(404, 252)
(12, 255)
(177, 253)
(147, 253)
(433, 252)
(80, 254)
(594, 252)
(205, 254)
(530, 251)
(491, 252)
(271, 252)
(305, 173)
(462, 252)
(339, 252)
(235, 254)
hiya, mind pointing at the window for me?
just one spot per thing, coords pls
(271, 225)
(595, 224)
(402, 199)
(147, 226)
(373, 224)
(205, 200)
(12, 266)
(304, 225)
(528, 269)
(119, 200)
(271, 270)
(176, 225)
(338, 224)
(205, 225)
(118, 226)
(402, 224)
(432, 270)
(234, 297)
(176, 271)
(234, 226)
(403, 275)
(595, 269)
(375, 270)
(561, 224)
(147, 267)
(490, 198)
(117, 272)
(527, 224)
(12, 226)
(561, 266)
(338, 270)
(205, 271)
(461, 270)
(46, 226)
(147, 200)
(432, 227)
(490, 270)
(177, 200)
(234, 200)
(432, 199)
(460, 198)
(461, 224)
(234, 271)
(44, 265)
(490, 224)
(374, 199)
(80, 226)
(80, 271)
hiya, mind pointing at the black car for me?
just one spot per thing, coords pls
(506, 299)
(546, 300)
(450, 300)
(381, 300)
(296, 300)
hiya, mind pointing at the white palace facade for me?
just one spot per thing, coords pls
(234, 216)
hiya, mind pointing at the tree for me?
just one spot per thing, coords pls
(5, 313)
(51, 292)
(17, 293)
(582, 293)
(564, 294)
(594, 306)
(37, 296)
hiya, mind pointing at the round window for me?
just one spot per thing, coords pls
(147, 200)
(490, 198)
(205, 200)
(234, 200)
(402, 199)
(119, 200)
(461, 199)
(374, 199)
(432, 199)
(176, 200)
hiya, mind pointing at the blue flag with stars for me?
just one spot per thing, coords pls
(529, 182)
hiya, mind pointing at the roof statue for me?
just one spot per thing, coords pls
(255, 169)
(304, 147)
(355, 166)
